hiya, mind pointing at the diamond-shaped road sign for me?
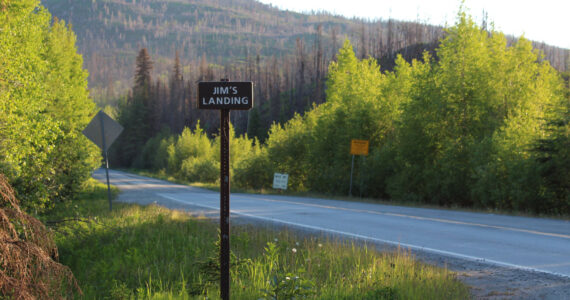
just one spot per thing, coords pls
(101, 125)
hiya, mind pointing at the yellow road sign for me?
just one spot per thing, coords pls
(359, 147)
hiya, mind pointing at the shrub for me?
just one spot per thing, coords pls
(255, 171)
(196, 169)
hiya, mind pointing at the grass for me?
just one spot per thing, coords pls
(138, 252)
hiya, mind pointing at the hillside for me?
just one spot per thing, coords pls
(238, 38)
(111, 32)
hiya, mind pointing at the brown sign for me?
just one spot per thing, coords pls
(359, 147)
(225, 95)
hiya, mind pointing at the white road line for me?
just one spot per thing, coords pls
(565, 236)
(369, 238)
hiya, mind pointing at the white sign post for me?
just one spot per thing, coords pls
(280, 181)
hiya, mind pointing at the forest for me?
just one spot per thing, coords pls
(477, 122)
(286, 54)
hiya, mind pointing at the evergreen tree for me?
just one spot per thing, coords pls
(143, 77)
(553, 160)
(139, 114)
(177, 109)
(143, 93)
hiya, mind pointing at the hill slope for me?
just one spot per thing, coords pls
(110, 32)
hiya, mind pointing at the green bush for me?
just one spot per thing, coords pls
(255, 171)
(190, 144)
(195, 169)
(154, 154)
(288, 148)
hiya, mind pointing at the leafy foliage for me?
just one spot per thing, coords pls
(458, 130)
(44, 105)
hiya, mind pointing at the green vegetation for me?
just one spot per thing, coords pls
(481, 125)
(162, 254)
(467, 132)
(44, 106)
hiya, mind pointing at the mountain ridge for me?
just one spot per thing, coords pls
(110, 33)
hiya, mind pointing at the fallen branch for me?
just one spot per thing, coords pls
(55, 222)
(28, 255)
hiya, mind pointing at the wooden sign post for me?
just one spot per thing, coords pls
(225, 96)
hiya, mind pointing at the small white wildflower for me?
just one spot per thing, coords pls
(294, 250)
(288, 278)
(320, 245)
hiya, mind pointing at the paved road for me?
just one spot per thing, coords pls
(527, 243)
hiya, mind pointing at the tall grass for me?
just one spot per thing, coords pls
(152, 252)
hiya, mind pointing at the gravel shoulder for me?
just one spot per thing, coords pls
(488, 281)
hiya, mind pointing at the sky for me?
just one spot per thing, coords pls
(542, 21)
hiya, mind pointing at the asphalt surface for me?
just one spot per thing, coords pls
(540, 245)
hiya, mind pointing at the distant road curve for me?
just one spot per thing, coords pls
(535, 244)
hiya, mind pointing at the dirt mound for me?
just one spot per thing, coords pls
(28, 255)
